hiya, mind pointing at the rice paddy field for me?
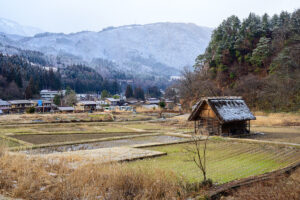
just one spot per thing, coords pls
(31, 130)
(8, 143)
(226, 161)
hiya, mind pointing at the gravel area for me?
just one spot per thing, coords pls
(106, 144)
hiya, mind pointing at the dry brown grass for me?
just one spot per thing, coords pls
(36, 178)
(276, 119)
(278, 188)
(148, 110)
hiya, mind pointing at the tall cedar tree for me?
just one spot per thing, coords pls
(139, 93)
(30, 89)
(129, 91)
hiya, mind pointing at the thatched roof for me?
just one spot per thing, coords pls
(227, 109)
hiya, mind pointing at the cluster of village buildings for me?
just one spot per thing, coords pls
(85, 103)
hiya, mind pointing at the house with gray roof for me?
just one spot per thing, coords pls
(4, 106)
(19, 106)
(221, 116)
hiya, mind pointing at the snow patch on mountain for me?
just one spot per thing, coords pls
(11, 27)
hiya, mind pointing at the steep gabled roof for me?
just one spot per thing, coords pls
(227, 109)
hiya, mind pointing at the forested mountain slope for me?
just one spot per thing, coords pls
(257, 58)
(160, 49)
(19, 78)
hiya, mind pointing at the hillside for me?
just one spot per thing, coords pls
(160, 49)
(257, 58)
(20, 79)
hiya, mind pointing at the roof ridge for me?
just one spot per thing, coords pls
(222, 97)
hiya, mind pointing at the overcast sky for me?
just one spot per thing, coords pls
(77, 15)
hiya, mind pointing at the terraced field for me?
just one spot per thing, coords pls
(226, 161)
(21, 132)
(8, 143)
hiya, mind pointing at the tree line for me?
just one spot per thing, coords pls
(139, 93)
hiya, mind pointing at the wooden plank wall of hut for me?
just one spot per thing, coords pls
(208, 123)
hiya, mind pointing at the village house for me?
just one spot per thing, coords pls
(86, 106)
(42, 105)
(132, 101)
(81, 97)
(152, 101)
(112, 101)
(101, 102)
(48, 94)
(20, 106)
(4, 107)
(221, 116)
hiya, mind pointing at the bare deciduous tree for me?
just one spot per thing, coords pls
(198, 151)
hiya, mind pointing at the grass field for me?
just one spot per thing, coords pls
(226, 161)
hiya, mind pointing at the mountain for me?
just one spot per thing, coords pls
(13, 28)
(159, 49)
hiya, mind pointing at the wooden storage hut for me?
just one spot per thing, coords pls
(221, 116)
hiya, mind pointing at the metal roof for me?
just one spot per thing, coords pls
(112, 99)
(65, 108)
(4, 103)
(20, 102)
(87, 102)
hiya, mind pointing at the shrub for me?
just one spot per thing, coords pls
(162, 104)
(30, 110)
